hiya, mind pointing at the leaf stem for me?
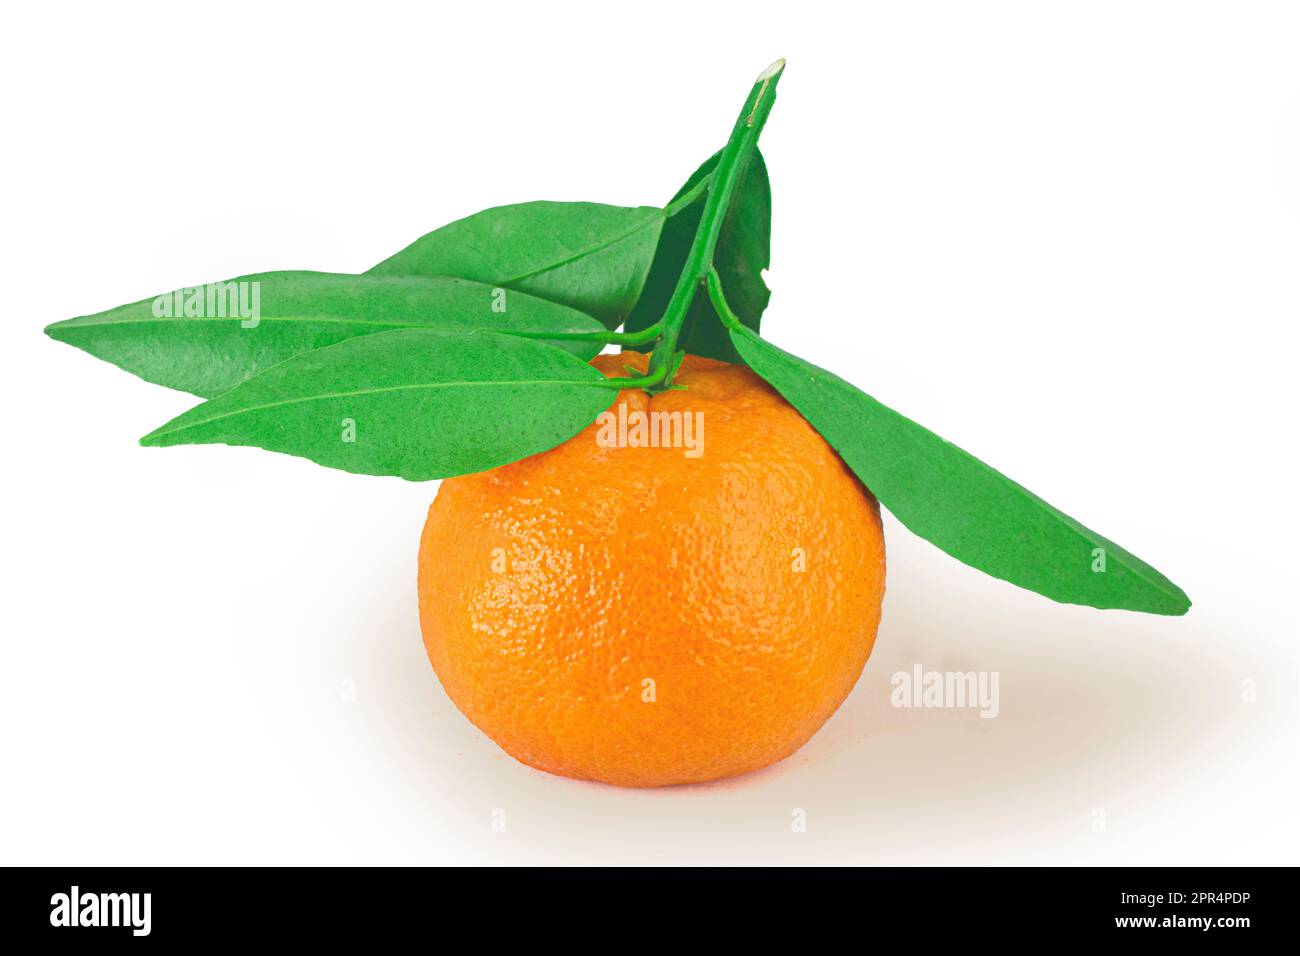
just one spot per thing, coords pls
(688, 197)
(721, 185)
(645, 381)
(648, 334)
(713, 282)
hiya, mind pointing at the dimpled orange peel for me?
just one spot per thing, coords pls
(642, 618)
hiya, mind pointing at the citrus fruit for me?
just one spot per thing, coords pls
(646, 616)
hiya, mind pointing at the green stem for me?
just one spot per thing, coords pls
(721, 185)
(686, 198)
(645, 381)
(648, 334)
(713, 282)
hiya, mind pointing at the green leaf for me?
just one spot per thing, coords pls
(416, 403)
(957, 502)
(297, 312)
(585, 255)
(742, 253)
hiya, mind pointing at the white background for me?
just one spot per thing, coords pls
(1066, 237)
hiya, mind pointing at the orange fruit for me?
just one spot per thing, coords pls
(644, 617)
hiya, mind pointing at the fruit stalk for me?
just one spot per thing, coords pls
(739, 148)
